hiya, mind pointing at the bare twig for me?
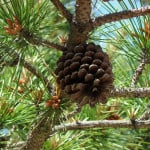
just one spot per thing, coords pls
(139, 69)
(50, 44)
(72, 114)
(38, 74)
(16, 58)
(62, 9)
(39, 41)
(146, 115)
(101, 20)
(130, 92)
(101, 124)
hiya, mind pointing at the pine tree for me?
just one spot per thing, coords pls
(52, 66)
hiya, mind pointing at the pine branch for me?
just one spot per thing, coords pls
(48, 44)
(38, 74)
(60, 7)
(27, 65)
(32, 39)
(139, 69)
(72, 114)
(146, 114)
(80, 26)
(83, 11)
(101, 20)
(101, 124)
(38, 135)
(130, 92)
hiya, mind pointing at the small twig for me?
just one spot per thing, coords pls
(146, 114)
(50, 44)
(60, 7)
(38, 74)
(130, 92)
(101, 20)
(27, 65)
(72, 114)
(101, 124)
(139, 69)
(32, 39)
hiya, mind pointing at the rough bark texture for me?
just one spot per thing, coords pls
(38, 135)
(139, 69)
(62, 9)
(80, 26)
(130, 92)
(83, 11)
(101, 20)
(102, 124)
(78, 34)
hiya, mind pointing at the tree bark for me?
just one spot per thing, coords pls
(101, 20)
(101, 124)
(80, 26)
(38, 135)
(83, 11)
(60, 7)
(130, 92)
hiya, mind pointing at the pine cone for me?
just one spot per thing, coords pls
(85, 74)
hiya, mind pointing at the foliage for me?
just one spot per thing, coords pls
(23, 96)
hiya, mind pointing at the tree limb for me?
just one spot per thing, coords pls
(139, 69)
(38, 135)
(101, 20)
(60, 7)
(83, 11)
(146, 114)
(130, 92)
(101, 124)
(49, 44)
(32, 39)
(80, 26)
(16, 58)
(38, 74)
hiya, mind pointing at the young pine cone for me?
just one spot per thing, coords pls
(85, 74)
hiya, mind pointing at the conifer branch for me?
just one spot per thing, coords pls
(101, 124)
(49, 44)
(80, 26)
(146, 114)
(60, 7)
(130, 92)
(101, 20)
(27, 65)
(139, 69)
(39, 75)
(32, 39)
(35, 143)
(38, 134)
(83, 11)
